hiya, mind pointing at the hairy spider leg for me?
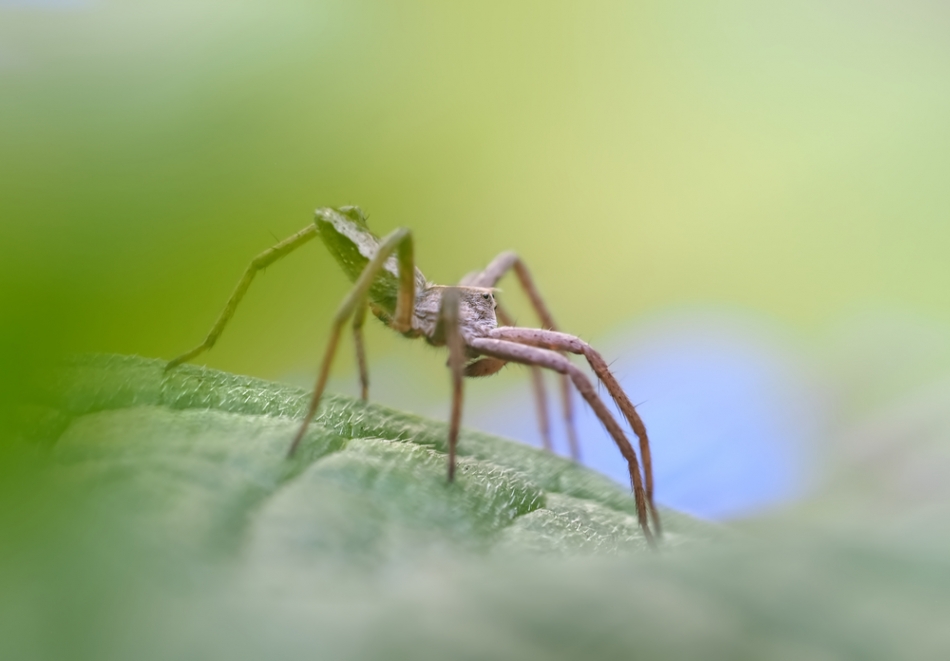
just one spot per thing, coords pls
(489, 277)
(449, 312)
(564, 342)
(550, 359)
(260, 262)
(399, 241)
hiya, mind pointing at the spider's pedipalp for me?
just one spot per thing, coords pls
(484, 367)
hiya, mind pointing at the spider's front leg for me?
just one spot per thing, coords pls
(550, 359)
(564, 342)
(498, 267)
(399, 241)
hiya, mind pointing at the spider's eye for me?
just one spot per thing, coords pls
(487, 297)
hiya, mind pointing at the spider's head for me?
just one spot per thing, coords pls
(476, 313)
(477, 310)
(485, 297)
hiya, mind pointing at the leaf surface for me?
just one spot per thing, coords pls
(166, 522)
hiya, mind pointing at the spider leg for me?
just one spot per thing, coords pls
(401, 240)
(358, 318)
(564, 342)
(537, 383)
(260, 262)
(498, 267)
(541, 406)
(529, 355)
(449, 311)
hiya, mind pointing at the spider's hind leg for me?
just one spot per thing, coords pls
(399, 241)
(358, 318)
(259, 263)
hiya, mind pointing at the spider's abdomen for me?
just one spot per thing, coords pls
(348, 238)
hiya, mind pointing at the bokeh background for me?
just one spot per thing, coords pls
(743, 204)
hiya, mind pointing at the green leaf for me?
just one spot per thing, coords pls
(164, 521)
(204, 454)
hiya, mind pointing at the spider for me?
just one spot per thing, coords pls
(464, 318)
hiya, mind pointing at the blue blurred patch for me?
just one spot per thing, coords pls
(731, 402)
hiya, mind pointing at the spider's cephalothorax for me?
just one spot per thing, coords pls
(465, 319)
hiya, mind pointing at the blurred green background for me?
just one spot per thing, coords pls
(787, 161)
(790, 160)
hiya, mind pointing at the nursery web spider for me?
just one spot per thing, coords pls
(464, 318)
